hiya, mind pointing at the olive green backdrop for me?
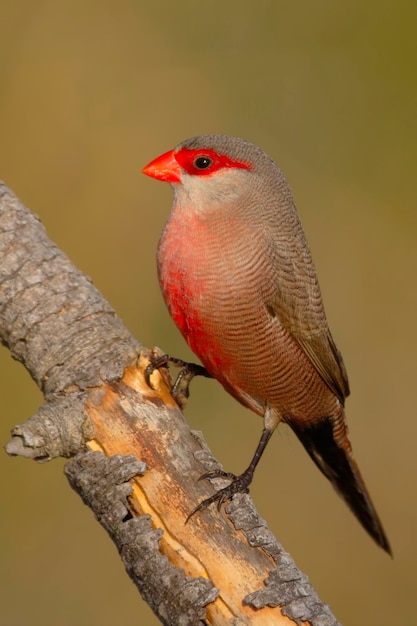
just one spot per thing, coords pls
(90, 91)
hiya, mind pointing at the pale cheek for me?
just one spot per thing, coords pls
(209, 194)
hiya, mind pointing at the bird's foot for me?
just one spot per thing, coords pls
(180, 389)
(239, 484)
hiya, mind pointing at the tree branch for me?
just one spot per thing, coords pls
(135, 462)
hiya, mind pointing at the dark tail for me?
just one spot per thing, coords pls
(336, 463)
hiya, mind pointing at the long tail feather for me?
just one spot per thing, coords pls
(337, 464)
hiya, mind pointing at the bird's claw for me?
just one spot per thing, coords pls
(218, 474)
(180, 389)
(155, 364)
(239, 484)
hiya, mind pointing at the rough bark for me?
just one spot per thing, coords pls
(134, 462)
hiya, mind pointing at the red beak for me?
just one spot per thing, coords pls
(164, 167)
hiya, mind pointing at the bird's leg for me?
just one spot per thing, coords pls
(180, 389)
(239, 484)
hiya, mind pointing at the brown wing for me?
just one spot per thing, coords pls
(326, 358)
(297, 303)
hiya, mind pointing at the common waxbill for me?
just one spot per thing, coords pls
(237, 276)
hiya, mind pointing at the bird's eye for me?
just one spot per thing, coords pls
(202, 162)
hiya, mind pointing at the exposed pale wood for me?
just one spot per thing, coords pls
(208, 545)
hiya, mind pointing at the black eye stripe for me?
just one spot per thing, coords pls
(202, 162)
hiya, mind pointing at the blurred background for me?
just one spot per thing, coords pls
(92, 91)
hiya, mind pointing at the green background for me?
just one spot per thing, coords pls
(90, 91)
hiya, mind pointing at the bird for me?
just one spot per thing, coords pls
(238, 278)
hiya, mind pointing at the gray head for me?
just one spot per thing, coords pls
(212, 170)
